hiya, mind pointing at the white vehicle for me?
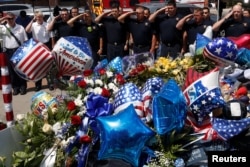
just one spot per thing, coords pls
(198, 3)
(16, 8)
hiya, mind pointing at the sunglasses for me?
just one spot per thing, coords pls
(11, 18)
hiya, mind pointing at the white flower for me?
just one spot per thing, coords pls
(85, 98)
(20, 117)
(109, 74)
(47, 128)
(54, 110)
(89, 81)
(98, 90)
(45, 114)
(89, 90)
(78, 100)
(57, 127)
(63, 144)
(98, 82)
(113, 87)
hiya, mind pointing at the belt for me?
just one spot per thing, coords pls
(141, 46)
(115, 43)
(11, 49)
(169, 44)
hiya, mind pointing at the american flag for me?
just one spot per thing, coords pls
(32, 60)
(151, 87)
(126, 95)
(227, 129)
(221, 50)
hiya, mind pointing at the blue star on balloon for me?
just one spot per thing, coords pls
(123, 136)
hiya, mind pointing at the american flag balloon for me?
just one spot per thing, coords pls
(204, 95)
(151, 87)
(221, 50)
(126, 95)
(73, 55)
(227, 129)
(32, 60)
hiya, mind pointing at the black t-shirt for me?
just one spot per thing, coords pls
(91, 32)
(236, 28)
(166, 27)
(115, 31)
(63, 29)
(193, 29)
(142, 31)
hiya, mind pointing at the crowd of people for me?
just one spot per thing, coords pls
(115, 33)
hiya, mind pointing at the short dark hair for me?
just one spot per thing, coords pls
(171, 3)
(206, 8)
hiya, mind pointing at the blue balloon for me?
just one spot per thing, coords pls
(243, 57)
(201, 42)
(169, 108)
(116, 65)
(123, 136)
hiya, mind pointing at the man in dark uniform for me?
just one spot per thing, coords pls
(142, 31)
(192, 24)
(90, 30)
(59, 24)
(116, 32)
(234, 24)
(165, 20)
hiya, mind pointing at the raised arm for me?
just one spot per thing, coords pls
(217, 25)
(71, 21)
(29, 26)
(51, 24)
(123, 16)
(155, 14)
(99, 18)
(182, 21)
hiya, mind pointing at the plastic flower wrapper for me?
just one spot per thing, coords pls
(201, 42)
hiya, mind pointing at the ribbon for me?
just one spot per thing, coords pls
(97, 105)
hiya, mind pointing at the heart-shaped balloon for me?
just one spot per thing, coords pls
(242, 41)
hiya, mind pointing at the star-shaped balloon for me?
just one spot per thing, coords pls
(123, 136)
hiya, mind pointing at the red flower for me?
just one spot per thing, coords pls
(102, 71)
(87, 73)
(2, 126)
(120, 79)
(85, 139)
(105, 92)
(133, 72)
(71, 105)
(140, 68)
(82, 84)
(76, 120)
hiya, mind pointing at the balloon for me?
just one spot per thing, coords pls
(151, 87)
(243, 57)
(130, 62)
(242, 41)
(204, 95)
(169, 108)
(42, 101)
(123, 136)
(116, 65)
(201, 42)
(73, 55)
(32, 60)
(126, 95)
(208, 34)
(221, 50)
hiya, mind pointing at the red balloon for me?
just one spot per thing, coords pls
(242, 41)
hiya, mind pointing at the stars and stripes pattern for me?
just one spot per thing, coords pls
(73, 55)
(151, 87)
(32, 60)
(6, 90)
(227, 129)
(126, 95)
(221, 50)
